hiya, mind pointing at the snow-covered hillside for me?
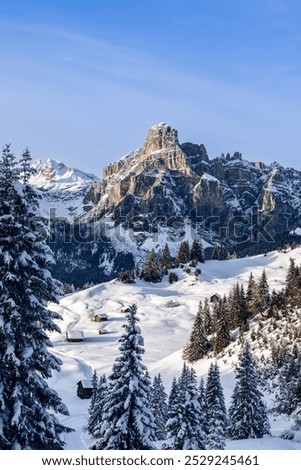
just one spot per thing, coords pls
(165, 328)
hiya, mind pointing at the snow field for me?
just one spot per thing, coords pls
(165, 330)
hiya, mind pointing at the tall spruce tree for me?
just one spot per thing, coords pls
(95, 410)
(29, 409)
(185, 428)
(208, 321)
(247, 412)
(152, 270)
(198, 344)
(222, 337)
(216, 411)
(263, 293)
(174, 417)
(127, 421)
(293, 284)
(251, 296)
(183, 255)
(203, 404)
(289, 392)
(159, 407)
(166, 258)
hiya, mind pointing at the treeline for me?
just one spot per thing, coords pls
(271, 319)
(218, 323)
(157, 265)
(129, 412)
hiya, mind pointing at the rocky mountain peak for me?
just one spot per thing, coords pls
(159, 137)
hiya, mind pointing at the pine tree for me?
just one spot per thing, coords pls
(251, 296)
(183, 255)
(247, 412)
(197, 251)
(216, 411)
(293, 284)
(263, 293)
(222, 337)
(203, 404)
(95, 411)
(174, 417)
(289, 392)
(198, 345)
(208, 322)
(152, 271)
(237, 310)
(166, 258)
(159, 407)
(28, 407)
(184, 426)
(127, 422)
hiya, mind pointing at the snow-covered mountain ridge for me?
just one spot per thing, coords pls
(61, 188)
(168, 191)
(165, 329)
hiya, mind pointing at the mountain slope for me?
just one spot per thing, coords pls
(165, 329)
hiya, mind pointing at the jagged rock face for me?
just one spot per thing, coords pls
(168, 179)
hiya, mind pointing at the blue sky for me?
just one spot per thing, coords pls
(83, 80)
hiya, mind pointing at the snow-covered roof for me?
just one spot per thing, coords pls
(86, 383)
(75, 334)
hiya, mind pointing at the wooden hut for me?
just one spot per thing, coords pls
(84, 389)
(98, 317)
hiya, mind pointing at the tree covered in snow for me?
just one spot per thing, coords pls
(166, 261)
(183, 255)
(203, 404)
(127, 421)
(198, 344)
(263, 293)
(222, 337)
(159, 407)
(152, 270)
(185, 429)
(236, 307)
(289, 391)
(247, 412)
(216, 411)
(96, 404)
(293, 285)
(29, 409)
(251, 296)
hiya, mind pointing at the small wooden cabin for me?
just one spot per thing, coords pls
(98, 317)
(101, 331)
(125, 310)
(84, 389)
(215, 298)
(74, 336)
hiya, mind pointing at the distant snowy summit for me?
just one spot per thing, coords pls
(63, 189)
(55, 174)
